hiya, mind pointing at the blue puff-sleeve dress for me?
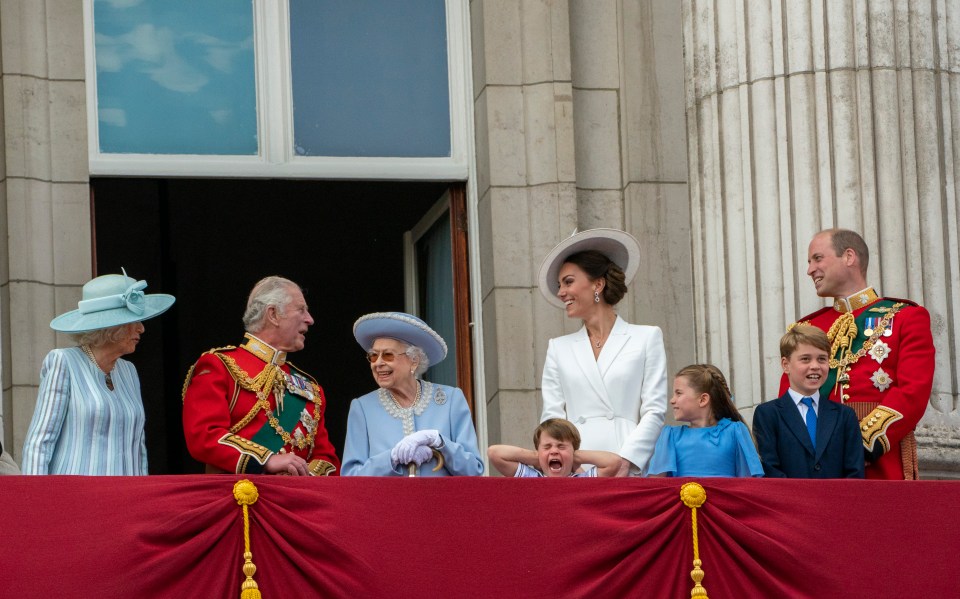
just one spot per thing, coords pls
(725, 449)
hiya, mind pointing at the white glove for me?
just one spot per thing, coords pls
(422, 455)
(402, 453)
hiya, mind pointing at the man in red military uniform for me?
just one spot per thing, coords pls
(882, 355)
(246, 409)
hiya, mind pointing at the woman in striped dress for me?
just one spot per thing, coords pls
(89, 417)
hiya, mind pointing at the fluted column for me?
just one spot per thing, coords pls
(808, 115)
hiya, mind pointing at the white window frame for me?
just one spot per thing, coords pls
(275, 157)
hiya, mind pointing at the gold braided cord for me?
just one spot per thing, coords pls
(246, 494)
(842, 333)
(270, 380)
(693, 496)
(189, 377)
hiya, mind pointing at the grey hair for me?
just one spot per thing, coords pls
(100, 337)
(269, 291)
(418, 355)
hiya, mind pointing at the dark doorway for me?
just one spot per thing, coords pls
(207, 241)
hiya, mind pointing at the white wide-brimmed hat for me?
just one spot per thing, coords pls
(403, 327)
(620, 247)
(112, 300)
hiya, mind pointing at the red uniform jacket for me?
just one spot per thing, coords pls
(232, 424)
(889, 384)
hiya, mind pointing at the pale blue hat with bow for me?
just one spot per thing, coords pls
(109, 301)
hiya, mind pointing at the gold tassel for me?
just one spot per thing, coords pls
(693, 496)
(245, 492)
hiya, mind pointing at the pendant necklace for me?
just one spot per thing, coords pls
(89, 351)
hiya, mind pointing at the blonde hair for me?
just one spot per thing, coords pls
(803, 334)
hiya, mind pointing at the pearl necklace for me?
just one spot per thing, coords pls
(405, 415)
(89, 351)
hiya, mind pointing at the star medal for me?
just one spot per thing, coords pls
(308, 421)
(881, 380)
(880, 351)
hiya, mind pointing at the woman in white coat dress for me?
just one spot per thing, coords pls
(609, 378)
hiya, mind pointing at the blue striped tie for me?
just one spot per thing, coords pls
(811, 419)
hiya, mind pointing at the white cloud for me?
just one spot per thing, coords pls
(113, 116)
(220, 54)
(220, 116)
(157, 48)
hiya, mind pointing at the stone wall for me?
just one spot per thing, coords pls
(579, 124)
(45, 210)
(803, 116)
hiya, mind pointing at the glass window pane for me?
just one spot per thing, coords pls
(175, 76)
(370, 78)
(435, 274)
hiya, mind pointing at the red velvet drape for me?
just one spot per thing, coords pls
(182, 536)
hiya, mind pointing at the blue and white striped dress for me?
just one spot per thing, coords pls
(80, 426)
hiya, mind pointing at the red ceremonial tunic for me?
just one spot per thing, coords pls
(889, 383)
(229, 398)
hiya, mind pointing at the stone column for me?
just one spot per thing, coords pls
(44, 194)
(526, 197)
(579, 124)
(803, 116)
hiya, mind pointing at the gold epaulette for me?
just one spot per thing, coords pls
(186, 381)
(873, 428)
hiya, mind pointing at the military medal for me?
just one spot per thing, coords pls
(881, 380)
(880, 351)
(869, 324)
(299, 385)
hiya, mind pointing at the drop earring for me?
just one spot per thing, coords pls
(596, 297)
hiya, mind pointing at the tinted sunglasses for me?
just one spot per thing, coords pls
(387, 355)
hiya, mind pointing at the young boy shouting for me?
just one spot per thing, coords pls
(803, 434)
(557, 454)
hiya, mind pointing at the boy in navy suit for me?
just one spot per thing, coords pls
(803, 434)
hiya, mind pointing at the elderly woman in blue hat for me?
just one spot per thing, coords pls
(409, 426)
(89, 417)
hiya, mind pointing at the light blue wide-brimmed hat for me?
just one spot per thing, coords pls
(620, 247)
(109, 301)
(403, 327)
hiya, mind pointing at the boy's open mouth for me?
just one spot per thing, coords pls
(555, 465)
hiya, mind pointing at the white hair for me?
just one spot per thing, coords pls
(269, 291)
(418, 355)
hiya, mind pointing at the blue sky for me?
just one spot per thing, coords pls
(169, 69)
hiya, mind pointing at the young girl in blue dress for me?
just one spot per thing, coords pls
(716, 442)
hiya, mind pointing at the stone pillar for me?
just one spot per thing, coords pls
(631, 163)
(44, 194)
(803, 116)
(525, 188)
(579, 123)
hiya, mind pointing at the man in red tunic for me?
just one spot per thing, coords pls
(882, 355)
(246, 409)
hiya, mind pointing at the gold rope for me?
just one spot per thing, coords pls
(693, 496)
(245, 492)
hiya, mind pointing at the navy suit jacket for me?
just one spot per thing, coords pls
(785, 447)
